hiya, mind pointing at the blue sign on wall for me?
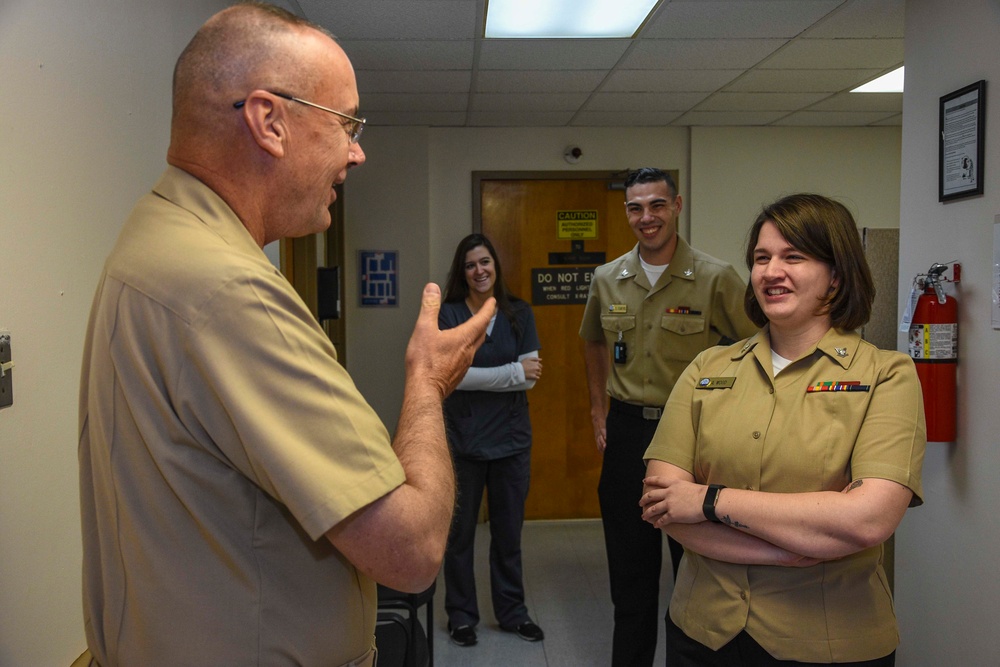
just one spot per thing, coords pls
(379, 277)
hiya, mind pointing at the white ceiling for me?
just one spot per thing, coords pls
(694, 62)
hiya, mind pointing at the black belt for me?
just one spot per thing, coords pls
(639, 411)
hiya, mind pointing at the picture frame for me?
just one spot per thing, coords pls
(961, 142)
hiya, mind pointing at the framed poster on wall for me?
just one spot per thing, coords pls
(961, 142)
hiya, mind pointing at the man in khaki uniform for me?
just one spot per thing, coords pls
(649, 313)
(239, 497)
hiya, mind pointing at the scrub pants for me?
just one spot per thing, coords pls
(506, 481)
(634, 547)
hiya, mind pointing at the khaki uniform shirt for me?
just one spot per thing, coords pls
(660, 338)
(219, 441)
(730, 422)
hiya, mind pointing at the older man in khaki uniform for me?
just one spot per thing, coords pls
(239, 497)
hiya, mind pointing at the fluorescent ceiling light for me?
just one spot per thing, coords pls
(887, 83)
(565, 18)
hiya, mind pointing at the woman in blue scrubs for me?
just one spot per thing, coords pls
(490, 436)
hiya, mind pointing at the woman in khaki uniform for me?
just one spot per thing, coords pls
(782, 463)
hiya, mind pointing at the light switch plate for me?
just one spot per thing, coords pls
(7, 379)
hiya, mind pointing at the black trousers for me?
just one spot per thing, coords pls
(742, 651)
(506, 481)
(634, 547)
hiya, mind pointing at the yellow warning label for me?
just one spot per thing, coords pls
(577, 224)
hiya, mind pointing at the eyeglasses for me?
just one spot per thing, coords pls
(357, 124)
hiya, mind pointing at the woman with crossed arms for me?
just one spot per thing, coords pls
(784, 462)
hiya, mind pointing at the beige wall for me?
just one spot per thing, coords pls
(735, 171)
(84, 124)
(386, 209)
(421, 181)
(948, 591)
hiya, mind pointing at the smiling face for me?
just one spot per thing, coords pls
(480, 272)
(652, 214)
(791, 287)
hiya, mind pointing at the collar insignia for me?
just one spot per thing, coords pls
(841, 351)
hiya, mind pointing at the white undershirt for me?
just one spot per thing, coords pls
(652, 271)
(778, 362)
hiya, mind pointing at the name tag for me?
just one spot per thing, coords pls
(716, 383)
(618, 308)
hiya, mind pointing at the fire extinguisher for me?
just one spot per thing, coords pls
(934, 349)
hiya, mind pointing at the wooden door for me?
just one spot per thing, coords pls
(524, 219)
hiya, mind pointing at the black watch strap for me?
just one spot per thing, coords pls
(711, 500)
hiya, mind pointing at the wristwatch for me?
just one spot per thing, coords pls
(711, 500)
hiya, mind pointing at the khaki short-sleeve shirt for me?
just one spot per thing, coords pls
(730, 422)
(697, 301)
(219, 441)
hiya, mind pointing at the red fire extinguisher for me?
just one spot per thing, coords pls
(934, 349)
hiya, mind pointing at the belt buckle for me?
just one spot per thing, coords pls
(652, 414)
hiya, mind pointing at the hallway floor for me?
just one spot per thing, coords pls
(566, 585)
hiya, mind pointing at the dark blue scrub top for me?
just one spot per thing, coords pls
(488, 425)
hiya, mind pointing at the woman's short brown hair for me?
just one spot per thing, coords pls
(825, 230)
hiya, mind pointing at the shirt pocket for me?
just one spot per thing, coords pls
(617, 324)
(688, 335)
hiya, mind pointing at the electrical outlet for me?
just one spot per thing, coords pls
(6, 371)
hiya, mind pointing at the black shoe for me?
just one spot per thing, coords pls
(463, 635)
(527, 631)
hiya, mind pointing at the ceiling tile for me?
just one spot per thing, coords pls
(863, 18)
(644, 101)
(737, 18)
(837, 54)
(835, 118)
(548, 54)
(801, 80)
(527, 101)
(706, 62)
(861, 102)
(430, 81)
(673, 80)
(729, 118)
(519, 118)
(640, 118)
(759, 101)
(415, 102)
(891, 120)
(538, 81)
(393, 19)
(378, 119)
(409, 54)
(699, 53)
